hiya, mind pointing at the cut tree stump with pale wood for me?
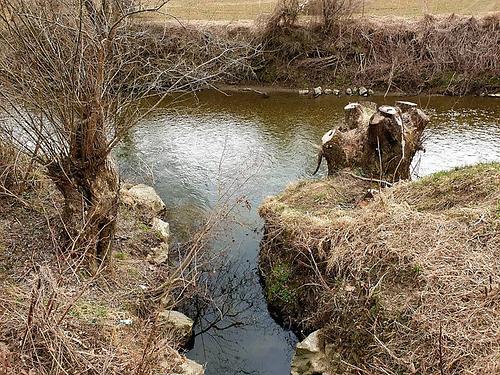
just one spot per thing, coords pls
(378, 142)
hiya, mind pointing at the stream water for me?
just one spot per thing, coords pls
(256, 146)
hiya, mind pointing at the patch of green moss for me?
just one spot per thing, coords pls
(342, 80)
(268, 74)
(442, 81)
(417, 269)
(145, 228)
(120, 255)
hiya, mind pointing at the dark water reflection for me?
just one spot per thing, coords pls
(261, 145)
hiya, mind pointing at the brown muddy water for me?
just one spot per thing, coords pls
(254, 147)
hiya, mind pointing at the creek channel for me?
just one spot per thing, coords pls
(254, 147)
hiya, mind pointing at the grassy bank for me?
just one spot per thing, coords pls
(56, 318)
(405, 282)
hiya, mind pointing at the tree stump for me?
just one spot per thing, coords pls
(353, 115)
(380, 142)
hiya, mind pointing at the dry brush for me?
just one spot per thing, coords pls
(452, 55)
(407, 281)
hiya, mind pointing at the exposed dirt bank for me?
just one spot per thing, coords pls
(405, 282)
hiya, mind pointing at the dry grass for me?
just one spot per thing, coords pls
(235, 10)
(16, 170)
(55, 318)
(408, 282)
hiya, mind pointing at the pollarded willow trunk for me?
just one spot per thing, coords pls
(378, 141)
(90, 209)
(89, 182)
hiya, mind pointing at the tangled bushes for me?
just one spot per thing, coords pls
(186, 59)
(452, 55)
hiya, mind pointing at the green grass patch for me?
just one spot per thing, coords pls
(91, 312)
(120, 255)
(278, 284)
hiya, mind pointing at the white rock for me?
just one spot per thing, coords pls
(328, 91)
(311, 344)
(318, 91)
(304, 92)
(309, 357)
(162, 228)
(178, 322)
(159, 254)
(388, 110)
(144, 196)
(327, 137)
(336, 92)
(363, 91)
(348, 91)
(190, 367)
(350, 106)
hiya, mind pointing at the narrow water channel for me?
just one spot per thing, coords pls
(263, 145)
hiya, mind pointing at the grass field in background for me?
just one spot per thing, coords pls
(234, 10)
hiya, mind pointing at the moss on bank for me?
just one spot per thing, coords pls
(394, 280)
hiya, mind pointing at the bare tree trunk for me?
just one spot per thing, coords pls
(89, 182)
(90, 209)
